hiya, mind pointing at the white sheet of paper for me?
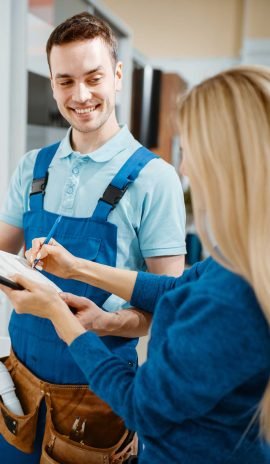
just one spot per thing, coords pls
(13, 264)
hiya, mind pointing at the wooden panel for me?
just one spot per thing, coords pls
(171, 87)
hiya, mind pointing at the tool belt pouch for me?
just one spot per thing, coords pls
(20, 431)
(81, 428)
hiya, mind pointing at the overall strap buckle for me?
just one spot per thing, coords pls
(39, 185)
(40, 176)
(121, 181)
(113, 195)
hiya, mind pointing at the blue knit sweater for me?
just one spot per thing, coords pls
(208, 364)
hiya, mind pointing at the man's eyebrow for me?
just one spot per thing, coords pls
(87, 73)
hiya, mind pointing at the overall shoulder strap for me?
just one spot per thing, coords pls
(40, 176)
(120, 183)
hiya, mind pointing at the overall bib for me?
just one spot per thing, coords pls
(34, 340)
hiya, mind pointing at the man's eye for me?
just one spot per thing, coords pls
(65, 83)
(95, 80)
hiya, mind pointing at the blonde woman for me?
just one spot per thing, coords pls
(196, 399)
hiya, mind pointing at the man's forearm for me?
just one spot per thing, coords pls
(129, 323)
(11, 238)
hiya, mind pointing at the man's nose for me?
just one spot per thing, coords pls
(82, 93)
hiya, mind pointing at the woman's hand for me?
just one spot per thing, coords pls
(44, 301)
(38, 299)
(54, 258)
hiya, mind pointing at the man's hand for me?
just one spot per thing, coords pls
(127, 323)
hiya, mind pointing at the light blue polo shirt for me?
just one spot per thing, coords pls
(150, 217)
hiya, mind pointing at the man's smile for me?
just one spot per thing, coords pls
(87, 110)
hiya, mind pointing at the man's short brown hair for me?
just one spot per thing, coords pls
(83, 26)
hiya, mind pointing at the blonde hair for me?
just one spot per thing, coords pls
(225, 128)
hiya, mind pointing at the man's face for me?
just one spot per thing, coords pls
(84, 84)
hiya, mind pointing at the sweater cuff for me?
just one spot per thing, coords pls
(87, 350)
(145, 291)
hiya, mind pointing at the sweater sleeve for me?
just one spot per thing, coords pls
(149, 288)
(204, 355)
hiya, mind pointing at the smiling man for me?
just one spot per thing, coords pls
(120, 205)
(84, 80)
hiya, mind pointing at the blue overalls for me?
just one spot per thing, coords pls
(34, 340)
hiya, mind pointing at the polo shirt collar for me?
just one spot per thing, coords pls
(107, 151)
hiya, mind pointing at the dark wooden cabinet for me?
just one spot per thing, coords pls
(172, 86)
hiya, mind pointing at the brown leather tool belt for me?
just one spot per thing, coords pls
(80, 427)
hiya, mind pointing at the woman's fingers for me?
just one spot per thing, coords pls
(40, 251)
(74, 300)
(28, 256)
(37, 244)
(26, 283)
(31, 253)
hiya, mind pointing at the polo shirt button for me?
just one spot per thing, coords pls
(70, 190)
(75, 170)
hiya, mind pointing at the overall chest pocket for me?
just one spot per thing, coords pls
(88, 248)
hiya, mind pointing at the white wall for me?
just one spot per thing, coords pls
(5, 64)
(256, 51)
(195, 70)
(13, 97)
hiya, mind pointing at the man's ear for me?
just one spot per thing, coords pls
(118, 76)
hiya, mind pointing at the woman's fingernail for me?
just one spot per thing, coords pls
(38, 256)
(39, 268)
